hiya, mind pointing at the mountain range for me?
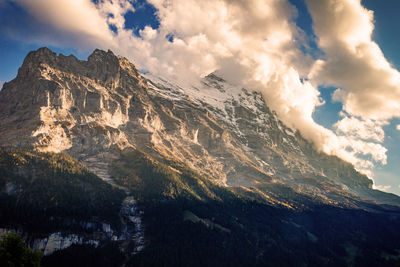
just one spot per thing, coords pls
(103, 165)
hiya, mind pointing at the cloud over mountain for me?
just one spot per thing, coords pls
(254, 44)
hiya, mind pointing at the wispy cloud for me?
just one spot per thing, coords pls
(361, 129)
(383, 187)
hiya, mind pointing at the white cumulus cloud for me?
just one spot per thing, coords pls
(369, 85)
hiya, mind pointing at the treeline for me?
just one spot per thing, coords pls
(151, 179)
(44, 192)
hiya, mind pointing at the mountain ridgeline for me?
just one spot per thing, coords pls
(131, 169)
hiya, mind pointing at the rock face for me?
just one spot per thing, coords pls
(59, 103)
(92, 108)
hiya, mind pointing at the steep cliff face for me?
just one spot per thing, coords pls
(95, 108)
(57, 103)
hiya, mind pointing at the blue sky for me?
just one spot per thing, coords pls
(139, 26)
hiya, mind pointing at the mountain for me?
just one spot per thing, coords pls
(195, 175)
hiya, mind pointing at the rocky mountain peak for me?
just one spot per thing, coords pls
(103, 66)
(93, 108)
(34, 59)
(54, 94)
(101, 55)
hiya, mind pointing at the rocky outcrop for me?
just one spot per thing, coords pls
(59, 103)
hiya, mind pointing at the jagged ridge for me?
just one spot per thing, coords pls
(95, 108)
